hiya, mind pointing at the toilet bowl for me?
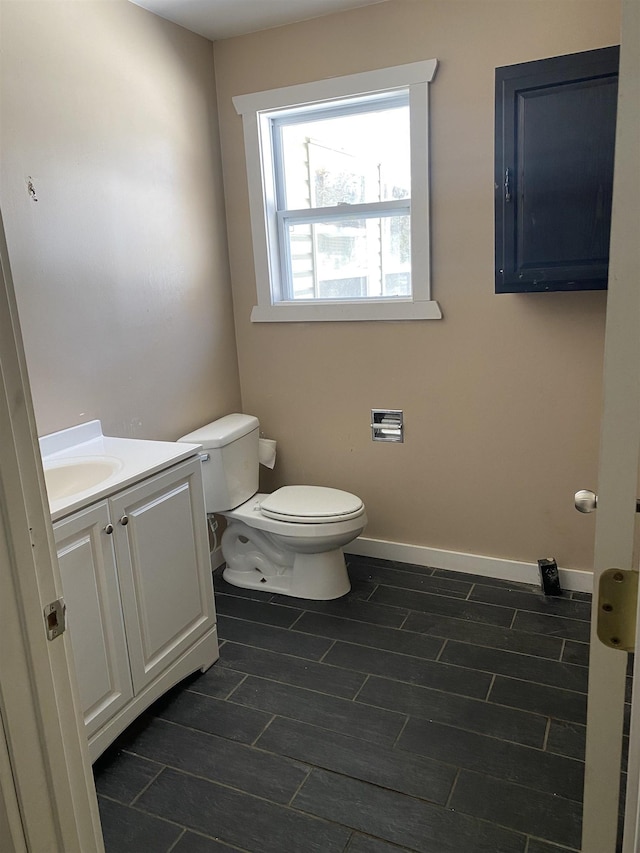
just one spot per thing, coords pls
(291, 541)
(288, 542)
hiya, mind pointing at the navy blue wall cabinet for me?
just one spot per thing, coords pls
(554, 146)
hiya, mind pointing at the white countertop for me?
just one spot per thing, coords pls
(133, 459)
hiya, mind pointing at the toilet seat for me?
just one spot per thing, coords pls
(311, 505)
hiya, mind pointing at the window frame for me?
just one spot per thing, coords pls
(257, 112)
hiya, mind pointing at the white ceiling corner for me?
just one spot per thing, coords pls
(220, 19)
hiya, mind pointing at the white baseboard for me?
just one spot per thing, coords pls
(474, 564)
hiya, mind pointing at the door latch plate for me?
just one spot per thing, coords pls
(617, 603)
(54, 618)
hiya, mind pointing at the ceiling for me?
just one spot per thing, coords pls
(220, 19)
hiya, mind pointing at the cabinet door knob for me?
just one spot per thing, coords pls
(124, 520)
(109, 528)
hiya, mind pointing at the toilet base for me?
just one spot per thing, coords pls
(319, 577)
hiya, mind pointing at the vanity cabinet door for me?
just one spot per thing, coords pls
(94, 617)
(164, 569)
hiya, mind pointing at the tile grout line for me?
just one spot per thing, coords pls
(448, 596)
(486, 698)
(439, 655)
(233, 690)
(315, 690)
(347, 846)
(360, 689)
(409, 611)
(441, 689)
(434, 636)
(447, 805)
(296, 620)
(439, 593)
(531, 837)
(138, 810)
(163, 767)
(251, 644)
(373, 591)
(175, 843)
(404, 622)
(322, 658)
(491, 683)
(262, 731)
(402, 728)
(289, 804)
(216, 783)
(362, 672)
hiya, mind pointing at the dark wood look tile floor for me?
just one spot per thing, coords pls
(427, 710)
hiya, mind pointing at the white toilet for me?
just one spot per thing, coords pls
(288, 542)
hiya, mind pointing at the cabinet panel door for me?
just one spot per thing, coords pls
(165, 573)
(554, 139)
(94, 618)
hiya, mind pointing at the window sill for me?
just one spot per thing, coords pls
(341, 311)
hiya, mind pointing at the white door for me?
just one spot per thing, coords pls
(48, 801)
(11, 830)
(618, 473)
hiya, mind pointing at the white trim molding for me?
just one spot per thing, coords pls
(259, 110)
(323, 311)
(473, 564)
(337, 87)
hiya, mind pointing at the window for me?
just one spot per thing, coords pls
(339, 197)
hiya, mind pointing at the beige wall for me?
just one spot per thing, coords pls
(121, 266)
(502, 397)
(123, 284)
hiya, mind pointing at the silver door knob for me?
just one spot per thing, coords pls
(586, 500)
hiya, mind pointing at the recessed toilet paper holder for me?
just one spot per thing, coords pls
(387, 425)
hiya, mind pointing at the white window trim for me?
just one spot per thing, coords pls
(254, 109)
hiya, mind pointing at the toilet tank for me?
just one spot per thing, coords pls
(231, 473)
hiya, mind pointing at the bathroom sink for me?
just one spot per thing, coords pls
(82, 466)
(77, 475)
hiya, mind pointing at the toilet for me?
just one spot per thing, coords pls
(290, 541)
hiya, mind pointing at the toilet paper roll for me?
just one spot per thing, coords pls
(267, 452)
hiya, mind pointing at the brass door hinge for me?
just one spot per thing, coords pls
(617, 607)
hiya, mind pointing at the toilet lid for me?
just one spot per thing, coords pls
(311, 504)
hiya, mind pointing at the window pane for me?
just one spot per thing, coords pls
(350, 258)
(354, 158)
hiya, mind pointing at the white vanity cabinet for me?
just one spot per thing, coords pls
(136, 581)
